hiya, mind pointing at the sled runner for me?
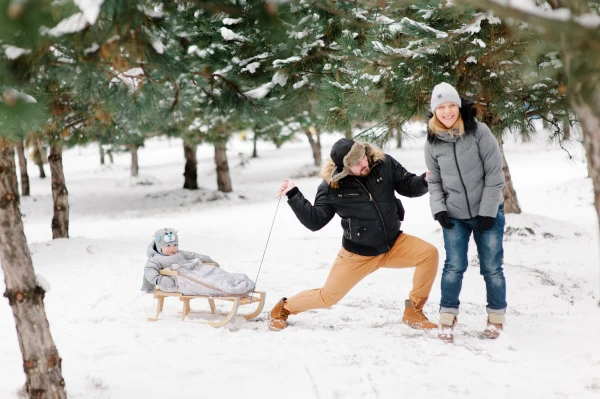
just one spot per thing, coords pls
(237, 301)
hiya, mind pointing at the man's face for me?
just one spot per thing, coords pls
(169, 250)
(361, 168)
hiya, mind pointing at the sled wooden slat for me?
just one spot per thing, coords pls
(258, 297)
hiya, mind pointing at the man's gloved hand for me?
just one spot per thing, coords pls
(444, 220)
(485, 223)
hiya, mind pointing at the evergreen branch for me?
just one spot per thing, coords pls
(560, 137)
(234, 86)
(552, 26)
(147, 75)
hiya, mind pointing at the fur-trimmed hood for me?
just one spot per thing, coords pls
(468, 112)
(329, 169)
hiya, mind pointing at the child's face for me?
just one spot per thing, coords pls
(169, 250)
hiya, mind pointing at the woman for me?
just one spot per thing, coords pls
(465, 188)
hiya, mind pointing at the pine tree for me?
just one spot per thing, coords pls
(576, 39)
(409, 48)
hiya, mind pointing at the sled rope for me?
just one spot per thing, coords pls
(265, 251)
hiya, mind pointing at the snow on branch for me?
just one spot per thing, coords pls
(12, 95)
(260, 92)
(90, 9)
(12, 52)
(438, 33)
(131, 79)
(542, 15)
(228, 34)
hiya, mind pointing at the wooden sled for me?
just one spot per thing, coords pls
(258, 297)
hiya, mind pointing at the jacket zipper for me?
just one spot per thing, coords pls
(461, 180)
(378, 212)
(349, 227)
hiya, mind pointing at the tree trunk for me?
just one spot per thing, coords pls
(135, 168)
(60, 195)
(399, 139)
(223, 177)
(511, 203)
(314, 144)
(348, 134)
(110, 157)
(41, 362)
(23, 168)
(254, 140)
(566, 128)
(101, 154)
(37, 156)
(190, 173)
(589, 118)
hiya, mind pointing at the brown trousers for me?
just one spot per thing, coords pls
(348, 269)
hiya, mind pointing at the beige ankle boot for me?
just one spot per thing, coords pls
(494, 326)
(414, 317)
(447, 323)
(279, 315)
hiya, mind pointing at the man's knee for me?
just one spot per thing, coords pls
(329, 299)
(431, 255)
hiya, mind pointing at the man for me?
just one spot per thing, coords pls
(359, 184)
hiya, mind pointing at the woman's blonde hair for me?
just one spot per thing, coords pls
(437, 127)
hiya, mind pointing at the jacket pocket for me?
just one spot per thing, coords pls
(400, 209)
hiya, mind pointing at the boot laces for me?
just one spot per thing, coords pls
(420, 314)
(283, 312)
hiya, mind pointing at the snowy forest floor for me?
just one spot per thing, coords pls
(357, 349)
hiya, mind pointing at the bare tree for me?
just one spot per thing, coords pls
(60, 195)
(41, 362)
(37, 157)
(101, 153)
(190, 173)
(223, 177)
(511, 203)
(135, 168)
(23, 168)
(315, 145)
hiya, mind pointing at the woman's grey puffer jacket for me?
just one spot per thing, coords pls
(466, 177)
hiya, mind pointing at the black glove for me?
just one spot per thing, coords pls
(485, 222)
(444, 220)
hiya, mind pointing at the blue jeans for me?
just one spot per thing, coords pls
(489, 248)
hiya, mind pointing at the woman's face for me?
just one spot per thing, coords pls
(447, 113)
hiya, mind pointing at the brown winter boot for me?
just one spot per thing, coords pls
(414, 317)
(494, 326)
(279, 316)
(447, 323)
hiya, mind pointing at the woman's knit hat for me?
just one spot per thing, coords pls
(442, 93)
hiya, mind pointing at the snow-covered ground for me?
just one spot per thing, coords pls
(358, 348)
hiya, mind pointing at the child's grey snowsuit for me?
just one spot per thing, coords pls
(201, 279)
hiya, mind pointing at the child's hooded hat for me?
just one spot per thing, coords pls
(164, 237)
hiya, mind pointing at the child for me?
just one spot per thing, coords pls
(198, 274)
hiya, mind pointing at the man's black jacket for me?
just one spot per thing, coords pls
(370, 212)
